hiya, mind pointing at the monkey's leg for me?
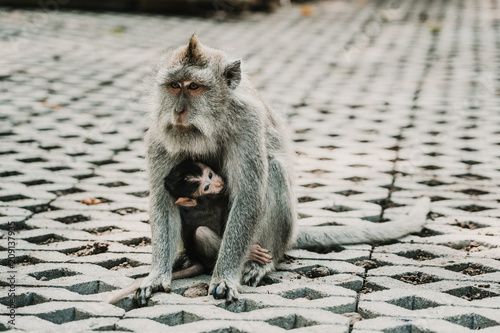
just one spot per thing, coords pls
(194, 270)
(165, 222)
(278, 227)
(181, 261)
(246, 169)
(207, 245)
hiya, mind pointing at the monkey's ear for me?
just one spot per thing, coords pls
(186, 202)
(232, 74)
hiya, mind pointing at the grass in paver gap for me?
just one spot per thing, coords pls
(472, 191)
(473, 208)
(127, 210)
(469, 225)
(45, 239)
(141, 194)
(20, 261)
(122, 265)
(437, 198)
(472, 293)
(418, 255)
(468, 246)
(37, 182)
(313, 185)
(13, 197)
(106, 230)
(137, 242)
(41, 208)
(71, 190)
(306, 199)
(368, 264)
(73, 218)
(426, 233)
(417, 278)
(53, 274)
(470, 269)
(90, 249)
(114, 184)
(338, 208)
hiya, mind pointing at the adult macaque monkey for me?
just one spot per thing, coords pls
(204, 108)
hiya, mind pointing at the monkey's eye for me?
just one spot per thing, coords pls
(206, 187)
(210, 175)
(175, 85)
(193, 86)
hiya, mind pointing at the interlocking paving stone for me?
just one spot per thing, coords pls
(387, 324)
(386, 101)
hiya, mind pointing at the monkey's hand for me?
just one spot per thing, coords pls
(223, 288)
(153, 282)
(259, 255)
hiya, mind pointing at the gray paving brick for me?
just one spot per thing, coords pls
(385, 324)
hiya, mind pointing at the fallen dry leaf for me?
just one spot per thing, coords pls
(307, 10)
(91, 201)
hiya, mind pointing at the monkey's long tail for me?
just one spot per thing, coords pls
(342, 235)
(122, 293)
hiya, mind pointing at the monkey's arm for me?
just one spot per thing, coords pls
(247, 170)
(259, 255)
(165, 223)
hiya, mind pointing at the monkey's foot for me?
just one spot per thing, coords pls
(153, 282)
(259, 255)
(253, 273)
(222, 288)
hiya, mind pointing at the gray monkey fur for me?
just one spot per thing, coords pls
(238, 134)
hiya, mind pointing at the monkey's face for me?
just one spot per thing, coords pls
(184, 92)
(190, 102)
(193, 86)
(210, 183)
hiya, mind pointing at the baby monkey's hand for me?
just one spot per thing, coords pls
(259, 255)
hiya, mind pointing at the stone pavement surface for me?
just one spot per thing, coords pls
(386, 101)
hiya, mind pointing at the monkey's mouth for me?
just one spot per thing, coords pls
(181, 128)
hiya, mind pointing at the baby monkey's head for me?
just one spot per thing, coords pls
(190, 180)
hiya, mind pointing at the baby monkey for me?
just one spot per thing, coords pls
(204, 207)
(199, 192)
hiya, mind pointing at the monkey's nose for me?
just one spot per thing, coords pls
(180, 111)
